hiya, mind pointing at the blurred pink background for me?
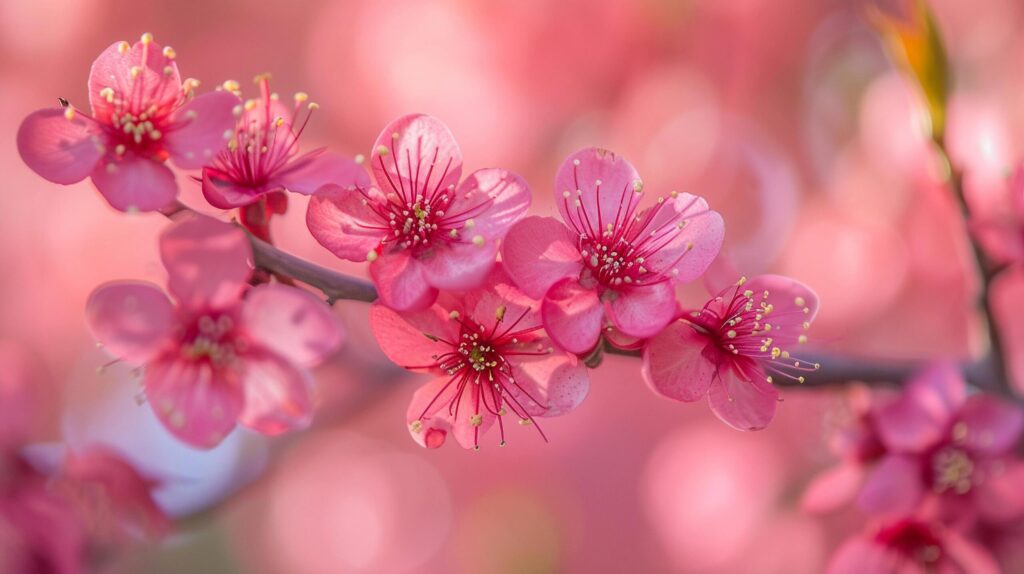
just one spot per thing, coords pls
(785, 114)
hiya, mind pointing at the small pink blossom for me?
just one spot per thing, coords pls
(420, 229)
(224, 353)
(489, 358)
(142, 114)
(911, 546)
(731, 349)
(263, 156)
(609, 259)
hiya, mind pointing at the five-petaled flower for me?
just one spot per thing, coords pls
(418, 226)
(490, 359)
(224, 353)
(609, 258)
(142, 114)
(731, 349)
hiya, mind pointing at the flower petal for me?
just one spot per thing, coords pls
(277, 394)
(549, 385)
(893, 486)
(494, 199)
(135, 183)
(342, 219)
(859, 555)
(969, 556)
(742, 404)
(992, 426)
(539, 251)
(922, 414)
(292, 323)
(688, 253)
(675, 366)
(643, 311)
(202, 129)
(198, 404)
(408, 339)
(207, 262)
(133, 320)
(314, 170)
(457, 266)
(1000, 498)
(157, 81)
(602, 181)
(416, 155)
(573, 316)
(834, 488)
(400, 282)
(61, 150)
(432, 414)
(223, 193)
(794, 306)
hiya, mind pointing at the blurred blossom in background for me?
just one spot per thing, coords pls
(784, 114)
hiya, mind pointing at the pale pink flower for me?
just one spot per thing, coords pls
(142, 114)
(263, 156)
(223, 353)
(420, 229)
(732, 348)
(998, 219)
(949, 448)
(489, 358)
(911, 546)
(610, 258)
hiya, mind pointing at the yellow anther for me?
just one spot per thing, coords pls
(382, 150)
(135, 71)
(799, 301)
(147, 38)
(802, 339)
(123, 47)
(169, 53)
(301, 97)
(371, 256)
(69, 113)
(416, 426)
(231, 85)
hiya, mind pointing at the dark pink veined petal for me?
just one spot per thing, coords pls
(834, 488)
(922, 414)
(794, 306)
(134, 183)
(675, 365)
(457, 266)
(494, 199)
(223, 193)
(277, 394)
(292, 323)
(416, 155)
(202, 128)
(199, 405)
(538, 252)
(691, 250)
(61, 150)
(400, 282)
(893, 487)
(308, 174)
(157, 83)
(642, 311)
(992, 426)
(579, 175)
(557, 383)
(133, 320)
(860, 555)
(207, 261)
(342, 220)
(742, 404)
(406, 337)
(1000, 497)
(572, 315)
(431, 415)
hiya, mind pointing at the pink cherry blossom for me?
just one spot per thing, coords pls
(420, 229)
(948, 448)
(610, 258)
(731, 349)
(998, 221)
(911, 546)
(223, 353)
(489, 357)
(263, 156)
(142, 114)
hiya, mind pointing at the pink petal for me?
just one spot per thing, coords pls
(223, 193)
(922, 414)
(1000, 497)
(308, 174)
(406, 337)
(690, 252)
(203, 127)
(539, 251)
(207, 261)
(675, 365)
(552, 385)
(834, 488)
(60, 150)
(133, 320)
(277, 394)
(158, 82)
(401, 283)
(993, 426)
(893, 487)
(742, 404)
(862, 556)
(601, 203)
(794, 305)
(196, 403)
(497, 291)
(620, 340)
(494, 199)
(342, 220)
(457, 266)
(432, 409)
(420, 157)
(969, 556)
(642, 311)
(292, 323)
(573, 316)
(135, 183)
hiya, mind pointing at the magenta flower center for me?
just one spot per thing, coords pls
(213, 338)
(914, 540)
